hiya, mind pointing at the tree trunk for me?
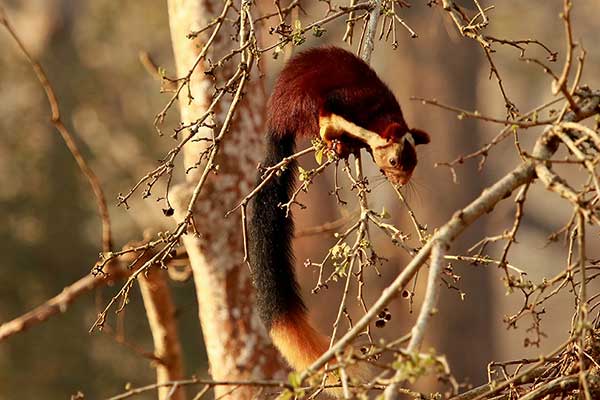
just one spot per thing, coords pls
(237, 345)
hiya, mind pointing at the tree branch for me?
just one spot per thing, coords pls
(487, 200)
(56, 120)
(160, 311)
(60, 303)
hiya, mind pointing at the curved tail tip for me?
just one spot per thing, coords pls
(297, 340)
(301, 345)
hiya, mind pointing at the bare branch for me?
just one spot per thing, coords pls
(160, 311)
(56, 120)
(60, 303)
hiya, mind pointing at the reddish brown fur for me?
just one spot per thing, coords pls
(330, 79)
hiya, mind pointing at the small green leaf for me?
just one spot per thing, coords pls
(319, 156)
(342, 269)
(302, 174)
(318, 31)
(286, 395)
(298, 39)
(294, 379)
(340, 251)
(384, 214)
(297, 33)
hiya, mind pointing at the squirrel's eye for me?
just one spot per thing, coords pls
(393, 161)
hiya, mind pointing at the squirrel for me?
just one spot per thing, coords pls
(316, 89)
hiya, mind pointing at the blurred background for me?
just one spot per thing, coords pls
(50, 235)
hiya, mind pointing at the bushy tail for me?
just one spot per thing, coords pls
(272, 260)
(270, 238)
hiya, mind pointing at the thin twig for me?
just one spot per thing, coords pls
(56, 120)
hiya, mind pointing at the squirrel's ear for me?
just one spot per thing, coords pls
(420, 136)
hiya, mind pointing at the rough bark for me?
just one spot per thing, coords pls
(237, 345)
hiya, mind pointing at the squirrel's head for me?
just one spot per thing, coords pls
(397, 158)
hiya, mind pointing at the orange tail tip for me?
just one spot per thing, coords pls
(297, 340)
(301, 345)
